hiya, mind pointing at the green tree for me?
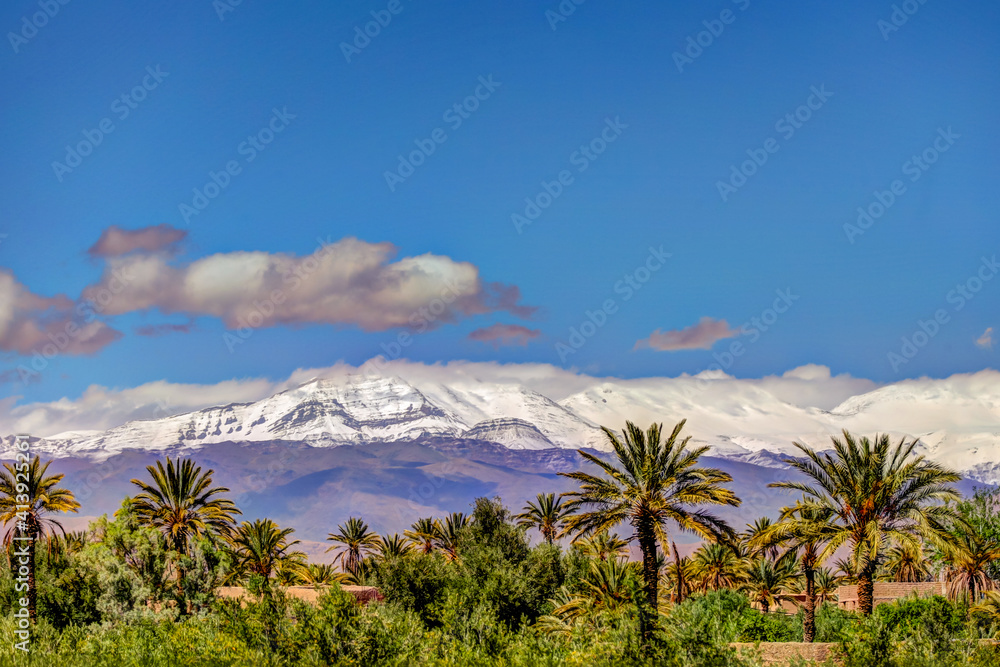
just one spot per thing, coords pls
(906, 562)
(769, 582)
(27, 497)
(650, 483)
(876, 493)
(393, 546)
(353, 541)
(262, 548)
(182, 503)
(604, 545)
(546, 513)
(803, 530)
(423, 533)
(449, 535)
(968, 559)
(716, 566)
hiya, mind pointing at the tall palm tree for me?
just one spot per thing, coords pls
(906, 563)
(769, 582)
(352, 543)
(968, 556)
(803, 530)
(546, 514)
(716, 566)
(182, 503)
(422, 534)
(27, 498)
(651, 483)
(393, 546)
(262, 548)
(876, 493)
(604, 545)
(448, 534)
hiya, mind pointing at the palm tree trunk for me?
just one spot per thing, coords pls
(764, 606)
(650, 574)
(809, 622)
(866, 590)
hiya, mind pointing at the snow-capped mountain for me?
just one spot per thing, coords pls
(957, 420)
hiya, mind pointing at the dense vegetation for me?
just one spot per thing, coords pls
(139, 588)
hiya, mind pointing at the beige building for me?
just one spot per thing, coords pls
(889, 592)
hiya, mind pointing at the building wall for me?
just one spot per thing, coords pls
(888, 592)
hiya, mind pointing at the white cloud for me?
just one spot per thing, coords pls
(347, 282)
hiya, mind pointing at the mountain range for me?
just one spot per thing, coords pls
(393, 449)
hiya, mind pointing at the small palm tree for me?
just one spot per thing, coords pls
(546, 513)
(604, 545)
(754, 539)
(449, 533)
(968, 556)
(27, 498)
(679, 575)
(906, 563)
(717, 566)
(826, 585)
(768, 583)
(352, 543)
(422, 534)
(392, 546)
(803, 530)
(848, 571)
(263, 548)
(876, 494)
(318, 575)
(650, 484)
(182, 503)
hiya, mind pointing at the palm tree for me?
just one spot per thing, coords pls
(653, 483)
(262, 548)
(448, 534)
(848, 571)
(546, 514)
(906, 563)
(876, 493)
(321, 574)
(355, 541)
(826, 585)
(422, 534)
(768, 582)
(755, 545)
(392, 546)
(717, 566)
(968, 556)
(181, 503)
(604, 545)
(803, 530)
(27, 497)
(679, 575)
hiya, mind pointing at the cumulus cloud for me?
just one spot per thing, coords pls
(116, 241)
(347, 282)
(701, 336)
(31, 324)
(986, 340)
(505, 334)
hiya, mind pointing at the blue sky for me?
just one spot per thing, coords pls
(891, 96)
